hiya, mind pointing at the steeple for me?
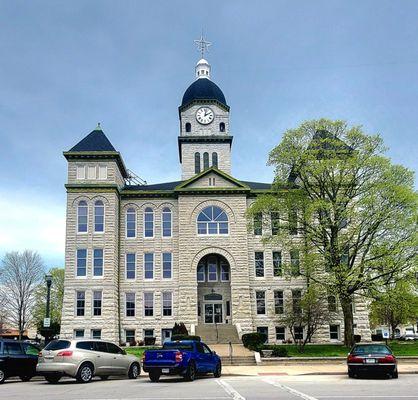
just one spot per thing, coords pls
(202, 69)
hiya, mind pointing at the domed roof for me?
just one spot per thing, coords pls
(203, 89)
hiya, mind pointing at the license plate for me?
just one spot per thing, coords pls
(165, 370)
(370, 360)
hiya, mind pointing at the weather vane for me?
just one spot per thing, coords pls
(202, 45)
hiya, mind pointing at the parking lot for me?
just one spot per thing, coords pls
(308, 387)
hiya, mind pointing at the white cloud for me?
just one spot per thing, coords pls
(32, 222)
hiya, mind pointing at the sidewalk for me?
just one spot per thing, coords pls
(305, 369)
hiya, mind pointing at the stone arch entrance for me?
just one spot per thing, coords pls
(213, 290)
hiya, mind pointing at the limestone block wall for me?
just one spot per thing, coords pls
(197, 129)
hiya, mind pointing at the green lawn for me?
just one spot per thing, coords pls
(330, 350)
(138, 351)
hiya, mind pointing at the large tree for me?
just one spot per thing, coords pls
(57, 295)
(340, 197)
(20, 274)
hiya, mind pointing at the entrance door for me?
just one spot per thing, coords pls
(213, 313)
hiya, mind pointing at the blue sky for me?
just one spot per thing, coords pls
(66, 65)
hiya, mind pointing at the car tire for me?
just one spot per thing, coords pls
(104, 377)
(134, 371)
(25, 378)
(52, 378)
(218, 370)
(154, 376)
(85, 373)
(395, 374)
(2, 376)
(190, 375)
(351, 374)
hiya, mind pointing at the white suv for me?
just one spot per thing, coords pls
(83, 358)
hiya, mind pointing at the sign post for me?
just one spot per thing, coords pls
(47, 322)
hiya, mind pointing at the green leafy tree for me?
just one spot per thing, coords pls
(57, 295)
(339, 196)
(397, 305)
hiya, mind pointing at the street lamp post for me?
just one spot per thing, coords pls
(47, 320)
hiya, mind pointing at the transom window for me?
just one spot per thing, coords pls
(149, 223)
(212, 220)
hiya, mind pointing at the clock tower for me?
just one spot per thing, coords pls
(204, 140)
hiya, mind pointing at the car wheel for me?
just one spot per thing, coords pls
(351, 374)
(53, 378)
(2, 376)
(395, 374)
(154, 376)
(134, 371)
(26, 378)
(218, 370)
(85, 373)
(104, 377)
(190, 373)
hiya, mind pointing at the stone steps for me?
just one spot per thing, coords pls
(221, 333)
(238, 360)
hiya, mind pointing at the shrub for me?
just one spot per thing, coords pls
(140, 343)
(180, 329)
(149, 341)
(279, 351)
(185, 337)
(254, 341)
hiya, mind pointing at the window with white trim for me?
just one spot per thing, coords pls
(212, 220)
(260, 298)
(201, 273)
(212, 272)
(81, 172)
(224, 272)
(97, 262)
(81, 262)
(278, 302)
(80, 303)
(277, 263)
(298, 332)
(98, 216)
(259, 264)
(130, 335)
(91, 172)
(148, 304)
(334, 332)
(96, 334)
(102, 172)
(130, 266)
(149, 266)
(130, 304)
(97, 303)
(149, 223)
(167, 304)
(78, 333)
(130, 223)
(167, 222)
(167, 265)
(82, 216)
(280, 333)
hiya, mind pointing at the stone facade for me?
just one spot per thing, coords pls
(134, 273)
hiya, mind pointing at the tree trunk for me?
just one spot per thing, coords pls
(346, 305)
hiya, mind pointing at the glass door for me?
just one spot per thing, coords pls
(209, 313)
(213, 313)
(218, 313)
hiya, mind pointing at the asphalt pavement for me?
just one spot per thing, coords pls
(268, 387)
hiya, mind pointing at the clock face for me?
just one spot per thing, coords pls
(204, 115)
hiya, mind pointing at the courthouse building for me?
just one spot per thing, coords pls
(140, 257)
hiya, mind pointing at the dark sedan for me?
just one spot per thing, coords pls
(17, 359)
(371, 359)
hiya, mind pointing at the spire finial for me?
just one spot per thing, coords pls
(202, 45)
(98, 127)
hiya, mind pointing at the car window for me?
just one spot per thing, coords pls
(206, 349)
(12, 348)
(100, 346)
(58, 345)
(85, 345)
(371, 348)
(178, 346)
(112, 348)
(30, 349)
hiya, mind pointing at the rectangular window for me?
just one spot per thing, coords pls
(102, 172)
(212, 272)
(78, 333)
(277, 263)
(81, 262)
(298, 331)
(130, 266)
(259, 264)
(260, 297)
(201, 273)
(167, 265)
(81, 172)
(334, 332)
(131, 223)
(294, 262)
(81, 304)
(275, 223)
(91, 172)
(149, 266)
(130, 336)
(278, 302)
(296, 298)
(280, 333)
(258, 224)
(167, 304)
(148, 333)
(148, 304)
(97, 303)
(332, 303)
(98, 262)
(224, 273)
(149, 224)
(167, 223)
(96, 333)
(130, 304)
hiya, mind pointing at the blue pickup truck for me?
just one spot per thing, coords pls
(187, 358)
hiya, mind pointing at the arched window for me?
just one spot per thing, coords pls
(212, 220)
(98, 216)
(149, 223)
(131, 223)
(82, 212)
(222, 127)
(205, 160)
(188, 127)
(196, 163)
(167, 222)
(215, 160)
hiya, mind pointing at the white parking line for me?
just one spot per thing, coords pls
(290, 390)
(368, 397)
(229, 389)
